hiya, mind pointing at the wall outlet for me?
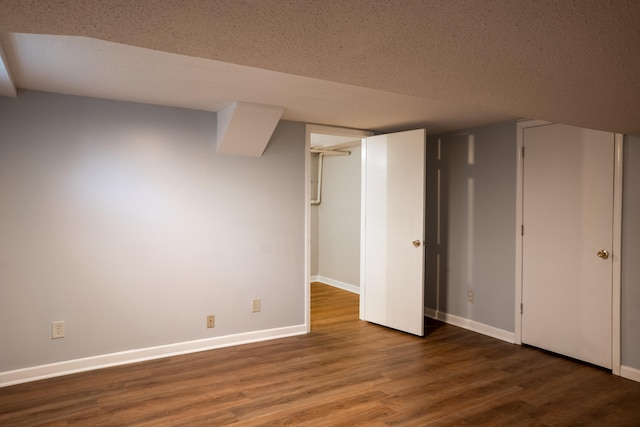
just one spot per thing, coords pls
(255, 305)
(470, 295)
(57, 329)
(211, 321)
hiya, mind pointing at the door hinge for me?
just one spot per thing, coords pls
(523, 152)
(521, 309)
(522, 230)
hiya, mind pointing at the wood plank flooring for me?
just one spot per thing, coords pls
(344, 373)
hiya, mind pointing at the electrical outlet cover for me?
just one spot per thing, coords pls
(57, 329)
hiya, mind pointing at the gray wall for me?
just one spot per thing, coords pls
(338, 219)
(121, 220)
(477, 228)
(630, 312)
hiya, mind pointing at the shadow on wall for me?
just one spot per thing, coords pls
(470, 225)
(450, 166)
(437, 221)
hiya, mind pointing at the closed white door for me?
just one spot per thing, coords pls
(393, 212)
(567, 265)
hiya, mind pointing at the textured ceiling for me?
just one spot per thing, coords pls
(570, 61)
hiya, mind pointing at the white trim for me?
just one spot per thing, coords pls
(336, 284)
(616, 250)
(307, 227)
(616, 341)
(337, 131)
(471, 325)
(518, 232)
(630, 373)
(520, 126)
(363, 221)
(140, 355)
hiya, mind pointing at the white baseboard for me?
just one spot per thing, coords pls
(337, 284)
(140, 355)
(471, 325)
(630, 373)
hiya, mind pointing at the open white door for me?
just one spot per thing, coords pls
(392, 247)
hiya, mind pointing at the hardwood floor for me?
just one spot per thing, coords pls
(344, 373)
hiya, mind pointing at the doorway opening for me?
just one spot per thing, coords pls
(333, 208)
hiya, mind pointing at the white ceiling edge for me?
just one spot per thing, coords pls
(244, 129)
(89, 67)
(7, 88)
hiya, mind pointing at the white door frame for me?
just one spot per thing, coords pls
(617, 240)
(326, 130)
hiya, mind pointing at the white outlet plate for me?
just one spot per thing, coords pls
(211, 321)
(57, 329)
(255, 305)
(470, 296)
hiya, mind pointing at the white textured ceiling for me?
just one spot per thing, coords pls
(454, 63)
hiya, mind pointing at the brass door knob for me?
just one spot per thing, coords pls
(416, 243)
(603, 253)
